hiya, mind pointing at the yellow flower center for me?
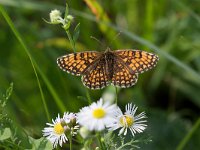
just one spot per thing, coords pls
(58, 128)
(126, 120)
(99, 113)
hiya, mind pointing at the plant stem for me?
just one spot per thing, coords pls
(188, 136)
(70, 142)
(99, 141)
(88, 96)
(116, 95)
(71, 40)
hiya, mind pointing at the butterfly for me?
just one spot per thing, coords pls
(99, 69)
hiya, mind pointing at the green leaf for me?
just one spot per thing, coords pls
(66, 11)
(9, 91)
(5, 134)
(6, 96)
(50, 22)
(76, 32)
(41, 143)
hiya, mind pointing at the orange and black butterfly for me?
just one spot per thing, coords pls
(99, 69)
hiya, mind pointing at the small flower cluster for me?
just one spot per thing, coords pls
(96, 117)
(56, 18)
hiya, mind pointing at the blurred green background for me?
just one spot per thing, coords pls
(169, 93)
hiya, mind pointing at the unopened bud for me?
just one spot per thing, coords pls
(62, 121)
(70, 17)
(73, 121)
(84, 132)
(67, 130)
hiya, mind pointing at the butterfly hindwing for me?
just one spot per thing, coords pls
(139, 61)
(95, 77)
(77, 63)
(122, 77)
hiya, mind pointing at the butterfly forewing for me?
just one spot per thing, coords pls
(77, 63)
(122, 76)
(95, 77)
(137, 60)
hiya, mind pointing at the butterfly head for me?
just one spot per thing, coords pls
(107, 50)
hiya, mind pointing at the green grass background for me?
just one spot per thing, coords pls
(169, 93)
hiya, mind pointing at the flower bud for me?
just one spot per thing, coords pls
(109, 96)
(70, 17)
(67, 130)
(62, 121)
(73, 121)
(84, 132)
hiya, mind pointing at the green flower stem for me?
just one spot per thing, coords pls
(88, 97)
(99, 141)
(188, 136)
(116, 95)
(71, 40)
(70, 142)
(19, 38)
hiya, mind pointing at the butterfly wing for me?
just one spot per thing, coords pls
(92, 67)
(122, 76)
(77, 63)
(96, 77)
(136, 60)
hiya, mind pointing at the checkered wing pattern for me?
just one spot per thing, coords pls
(96, 77)
(138, 61)
(77, 63)
(122, 77)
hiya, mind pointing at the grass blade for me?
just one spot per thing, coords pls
(18, 36)
(188, 136)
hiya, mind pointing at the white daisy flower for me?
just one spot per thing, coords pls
(55, 133)
(128, 120)
(97, 115)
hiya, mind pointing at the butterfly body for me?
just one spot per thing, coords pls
(109, 60)
(99, 69)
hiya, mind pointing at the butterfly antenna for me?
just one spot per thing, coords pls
(116, 36)
(92, 37)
